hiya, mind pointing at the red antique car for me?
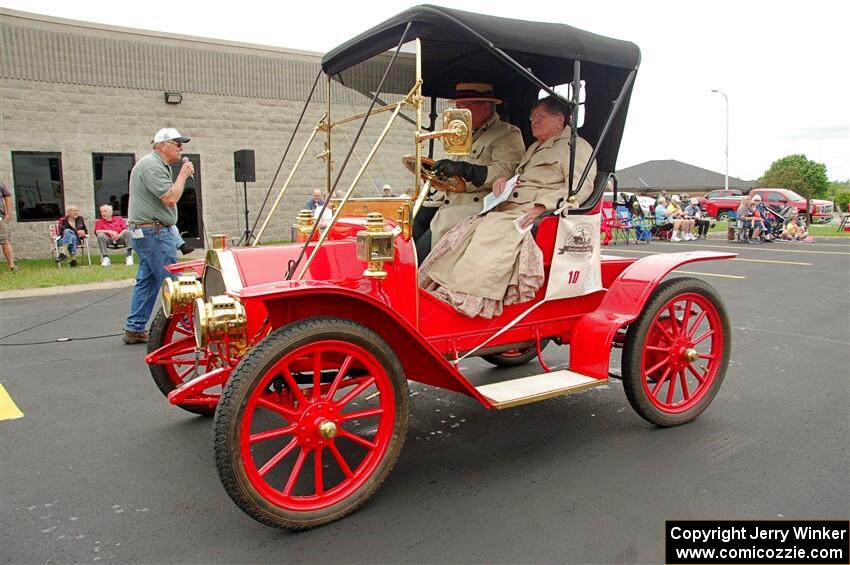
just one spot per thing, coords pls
(304, 357)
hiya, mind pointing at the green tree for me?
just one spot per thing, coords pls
(798, 173)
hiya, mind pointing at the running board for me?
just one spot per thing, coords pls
(507, 394)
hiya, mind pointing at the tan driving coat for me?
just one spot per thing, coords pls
(499, 146)
(544, 171)
(484, 261)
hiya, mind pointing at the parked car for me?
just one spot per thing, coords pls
(304, 357)
(722, 207)
(778, 198)
(717, 194)
(647, 203)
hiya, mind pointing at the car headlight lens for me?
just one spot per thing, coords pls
(179, 293)
(222, 318)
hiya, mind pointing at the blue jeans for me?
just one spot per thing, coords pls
(156, 249)
(178, 239)
(71, 239)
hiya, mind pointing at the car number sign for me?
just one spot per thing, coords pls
(576, 268)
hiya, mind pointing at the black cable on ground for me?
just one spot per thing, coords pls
(61, 340)
(61, 317)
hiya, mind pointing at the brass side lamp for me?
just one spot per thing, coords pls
(375, 246)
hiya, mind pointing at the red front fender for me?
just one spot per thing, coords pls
(196, 265)
(590, 343)
(290, 301)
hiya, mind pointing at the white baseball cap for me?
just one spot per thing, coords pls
(757, 198)
(169, 134)
(675, 198)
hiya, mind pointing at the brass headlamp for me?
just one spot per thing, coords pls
(303, 225)
(375, 246)
(179, 293)
(222, 317)
(456, 132)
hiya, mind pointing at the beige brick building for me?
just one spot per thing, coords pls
(80, 103)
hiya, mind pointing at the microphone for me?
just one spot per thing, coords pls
(186, 160)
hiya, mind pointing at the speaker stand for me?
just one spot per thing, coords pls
(246, 237)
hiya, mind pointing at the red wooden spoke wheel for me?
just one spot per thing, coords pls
(177, 364)
(310, 423)
(676, 353)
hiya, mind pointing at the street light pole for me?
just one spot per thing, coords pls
(727, 135)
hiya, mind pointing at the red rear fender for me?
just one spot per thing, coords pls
(590, 344)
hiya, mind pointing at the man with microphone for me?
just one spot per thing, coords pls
(152, 215)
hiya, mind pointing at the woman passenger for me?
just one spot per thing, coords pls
(485, 262)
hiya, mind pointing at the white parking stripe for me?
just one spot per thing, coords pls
(780, 248)
(709, 274)
(799, 263)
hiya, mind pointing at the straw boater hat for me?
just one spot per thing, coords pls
(475, 92)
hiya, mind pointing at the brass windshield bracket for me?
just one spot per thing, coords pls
(325, 154)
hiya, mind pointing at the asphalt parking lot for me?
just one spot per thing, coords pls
(101, 468)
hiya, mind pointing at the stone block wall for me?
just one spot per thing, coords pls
(47, 107)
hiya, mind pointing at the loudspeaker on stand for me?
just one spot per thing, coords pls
(243, 166)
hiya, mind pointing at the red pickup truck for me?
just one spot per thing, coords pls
(821, 210)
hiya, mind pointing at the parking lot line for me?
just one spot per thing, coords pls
(709, 274)
(8, 409)
(779, 249)
(798, 263)
(801, 263)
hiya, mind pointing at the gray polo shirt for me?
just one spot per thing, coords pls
(149, 181)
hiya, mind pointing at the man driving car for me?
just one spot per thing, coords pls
(497, 148)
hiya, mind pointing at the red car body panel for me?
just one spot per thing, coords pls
(591, 341)
(196, 265)
(427, 333)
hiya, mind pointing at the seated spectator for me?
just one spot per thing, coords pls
(663, 222)
(764, 216)
(387, 191)
(694, 212)
(492, 260)
(795, 230)
(748, 218)
(72, 228)
(316, 201)
(112, 230)
(675, 211)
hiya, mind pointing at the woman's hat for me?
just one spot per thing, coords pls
(675, 198)
(475, 92)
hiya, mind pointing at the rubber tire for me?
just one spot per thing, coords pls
(722, 216)
(253, 366)
(634, 344)
(502, 360)
(156, 337)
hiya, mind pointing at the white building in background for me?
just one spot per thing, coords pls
(80, 103)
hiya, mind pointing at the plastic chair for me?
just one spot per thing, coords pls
(622, 225)
(54, 240)
(605, 226)
(643, 229)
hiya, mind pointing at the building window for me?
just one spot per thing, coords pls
(111, 174)
(39, 192)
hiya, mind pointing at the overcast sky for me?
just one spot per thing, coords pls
(783, 64)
